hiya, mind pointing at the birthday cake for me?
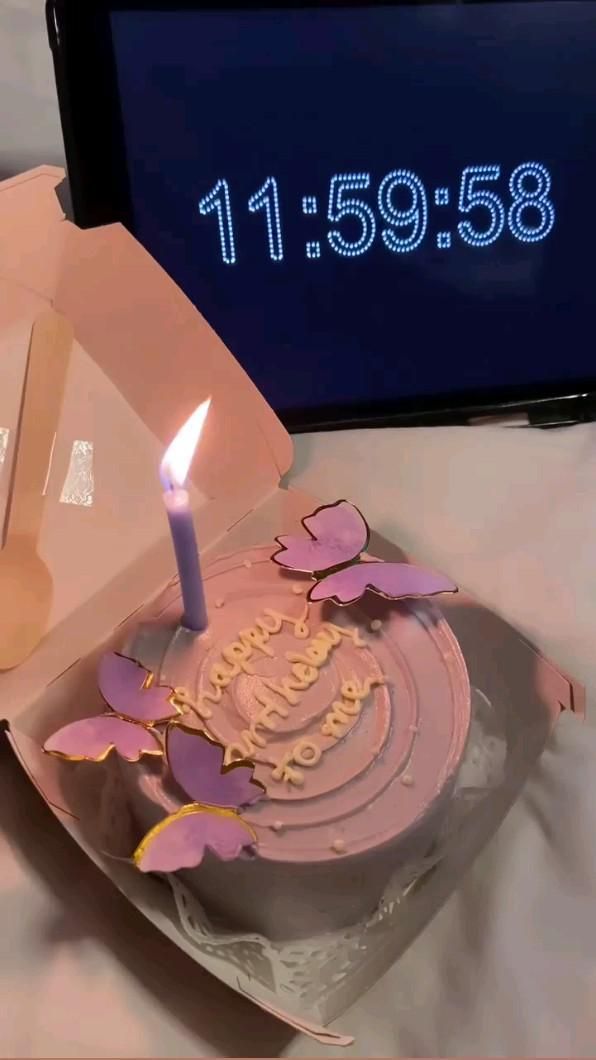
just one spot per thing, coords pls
(292, 757)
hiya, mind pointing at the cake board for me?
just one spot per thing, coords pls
(120, 401)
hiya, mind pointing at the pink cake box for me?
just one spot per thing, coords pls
(135, 374)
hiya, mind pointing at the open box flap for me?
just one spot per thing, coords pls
(143, 358)
(144, 333)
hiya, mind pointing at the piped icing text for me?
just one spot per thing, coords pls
(277, 696)
(236, 656)
(304, 672)
(307, 752)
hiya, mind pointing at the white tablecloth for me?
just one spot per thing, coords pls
(507, 966)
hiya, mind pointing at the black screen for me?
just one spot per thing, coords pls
(372, 203)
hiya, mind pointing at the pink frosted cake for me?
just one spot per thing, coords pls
(310, 744)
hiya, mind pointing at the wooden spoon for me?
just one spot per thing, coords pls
(25, 582)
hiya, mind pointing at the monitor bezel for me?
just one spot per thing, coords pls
(80, 39)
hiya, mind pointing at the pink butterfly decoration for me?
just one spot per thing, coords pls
(212, 821)
(92, 740)
(180, 840)
(135, 705)
(333, 553)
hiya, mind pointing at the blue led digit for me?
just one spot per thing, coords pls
(416, 215)
(471, 197)
(267, 199)
(341, 207)
(535, 198)
(443, 240)
(313, 249)
(218, 200)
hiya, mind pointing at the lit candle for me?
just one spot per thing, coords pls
(174, 470)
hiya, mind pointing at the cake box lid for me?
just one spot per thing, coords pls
(141, 361)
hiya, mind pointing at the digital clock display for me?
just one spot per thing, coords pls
(530, 217)
(371, 203)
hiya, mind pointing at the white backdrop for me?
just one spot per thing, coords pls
(29, 121)
(507, 967)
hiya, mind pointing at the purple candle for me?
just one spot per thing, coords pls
(174, 470)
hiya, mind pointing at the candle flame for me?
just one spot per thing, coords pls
(178, 456)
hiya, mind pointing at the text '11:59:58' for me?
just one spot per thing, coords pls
(403, 211)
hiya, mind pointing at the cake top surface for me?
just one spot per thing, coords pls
(348, 708)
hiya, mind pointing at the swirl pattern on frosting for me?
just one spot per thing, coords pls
(412, 723)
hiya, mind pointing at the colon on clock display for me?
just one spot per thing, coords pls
(399, 212)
